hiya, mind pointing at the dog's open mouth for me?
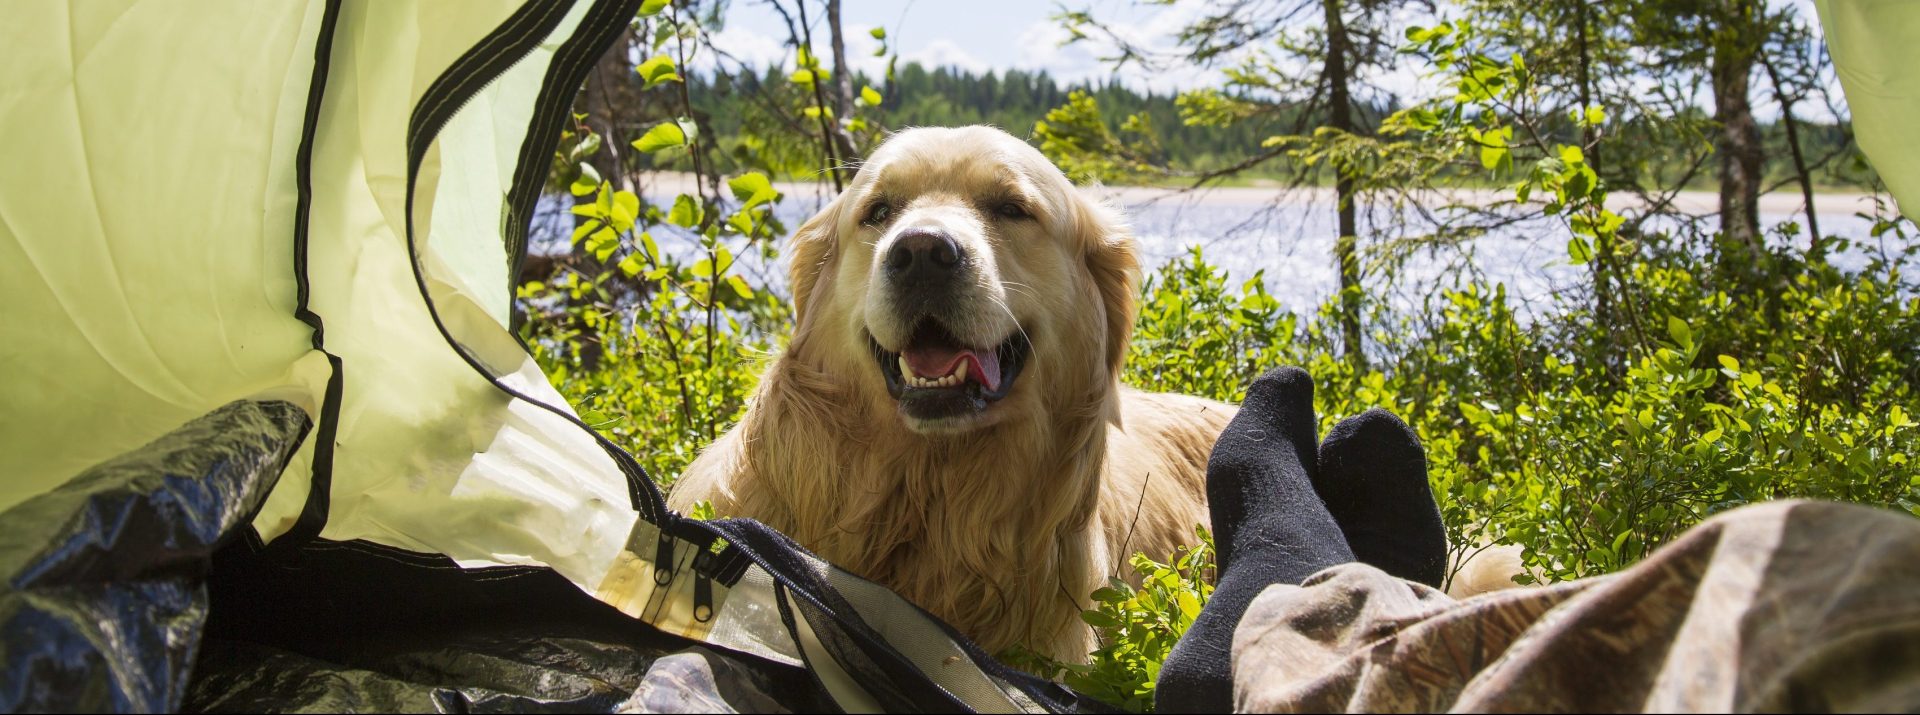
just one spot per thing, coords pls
(935, 376)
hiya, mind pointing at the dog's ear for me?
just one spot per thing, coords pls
(1116, 272)
(810, 252)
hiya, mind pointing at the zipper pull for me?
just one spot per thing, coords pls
(663, 561)
(703, 566)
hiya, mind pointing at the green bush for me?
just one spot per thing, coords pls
(1136, 627)
(1538, 432)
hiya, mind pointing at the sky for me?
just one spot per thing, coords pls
(997, 35)
(976, 35)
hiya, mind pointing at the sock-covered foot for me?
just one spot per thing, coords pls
(1373, 478)
(1260, 481)
(1268, 525)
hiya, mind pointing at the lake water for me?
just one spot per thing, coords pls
(1288, 239)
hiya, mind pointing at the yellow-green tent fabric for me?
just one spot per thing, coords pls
(1875, 46)
(321, 202)
(151, 201)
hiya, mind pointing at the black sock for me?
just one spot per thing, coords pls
(1373, 478)
(1268, 525)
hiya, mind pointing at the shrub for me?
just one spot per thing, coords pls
(1588, 445)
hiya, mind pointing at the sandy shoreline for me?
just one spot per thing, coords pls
(1785, 201)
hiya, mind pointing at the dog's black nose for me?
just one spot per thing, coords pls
(923, 254)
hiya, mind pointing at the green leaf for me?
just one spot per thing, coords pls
(871, 97)
(659, 68)
(878, 33)
(603, 243)
(1578, 251)
(1495, 157)
(587, 183)
(752, 189)
(631, 265)
(1596, 116)
(1677, 328)
(1189, 605)
(802, 77)
(686, 212)
(584, 230)
(741, 221)
(588, 146)
(652, 249)
(740, 287)
(626, 207)
(649, 8)
(1099, 620)
(1581, 182)
(1494, 153)
(665, 135)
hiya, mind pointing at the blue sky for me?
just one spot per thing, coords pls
(998, 35)
(978, 35)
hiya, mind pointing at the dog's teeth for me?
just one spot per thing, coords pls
(959, 376)
(906, 369)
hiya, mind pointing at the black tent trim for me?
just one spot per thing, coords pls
(804, 583)
(486, 61)
(570, 66)
(313, 515)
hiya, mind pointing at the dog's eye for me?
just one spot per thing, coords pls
(879, 213)
(1012, 209)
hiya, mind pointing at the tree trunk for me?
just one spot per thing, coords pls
(843, 95)
(602, 109)
(1603, 249)
(1815, 249)
(1345, 246)
(1739, 147)
(829, 144)
(602, 99)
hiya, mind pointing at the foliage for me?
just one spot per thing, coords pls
(1688, 376)
(1529, 439)
(656, 346)
(1136, 627)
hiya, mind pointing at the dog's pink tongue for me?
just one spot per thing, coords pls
(983, 368)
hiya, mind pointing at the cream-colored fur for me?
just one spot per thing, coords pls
(1000, 524)
(1004, 525)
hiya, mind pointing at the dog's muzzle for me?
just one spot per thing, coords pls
(923, 270)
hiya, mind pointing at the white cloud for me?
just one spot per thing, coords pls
(1087, 59)
(758, 49)
(860, 47)
(753, 48)
(944, 53)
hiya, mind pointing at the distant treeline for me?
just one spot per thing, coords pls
(738, 106)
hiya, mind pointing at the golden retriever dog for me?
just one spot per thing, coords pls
(948, 419)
